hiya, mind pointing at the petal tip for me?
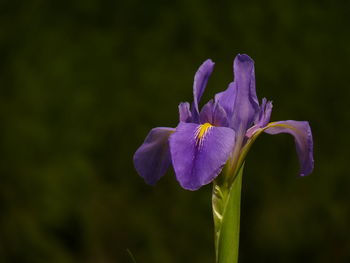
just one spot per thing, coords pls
(190, 187)
(244, 58)
(209, 62)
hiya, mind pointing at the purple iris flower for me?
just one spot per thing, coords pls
(218, 134)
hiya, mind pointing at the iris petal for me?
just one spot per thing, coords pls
(206, 114)
(262, 119)
(246, 104)
(200, 81)
(264, 114)
(185, 114)
(227, 99)
(213, 113)
(152, 159)
(219, 116)
(301, 132)
(199, 152)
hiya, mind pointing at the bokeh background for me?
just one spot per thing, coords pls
(82, 83)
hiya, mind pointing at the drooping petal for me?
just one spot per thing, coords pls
(227, 99)
(152, 159)
(301, 132)
(213, 113)
(200, 81)
(246, 104)
(185, 114)
(199, 152)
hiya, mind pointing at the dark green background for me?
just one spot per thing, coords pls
(82, 83)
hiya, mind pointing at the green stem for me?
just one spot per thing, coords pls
(226, 201)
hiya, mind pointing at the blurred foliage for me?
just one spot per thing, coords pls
(81, 84)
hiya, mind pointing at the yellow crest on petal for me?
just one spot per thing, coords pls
(201, 132)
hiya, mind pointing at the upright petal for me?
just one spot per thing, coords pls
(264, 114)
(199, 152)
(185, 114)
(246, 103)
(301, 132)
(152, 159)
(213, 113)
(227, 99)
(219, 116)
(206, 114)
(200, 81)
